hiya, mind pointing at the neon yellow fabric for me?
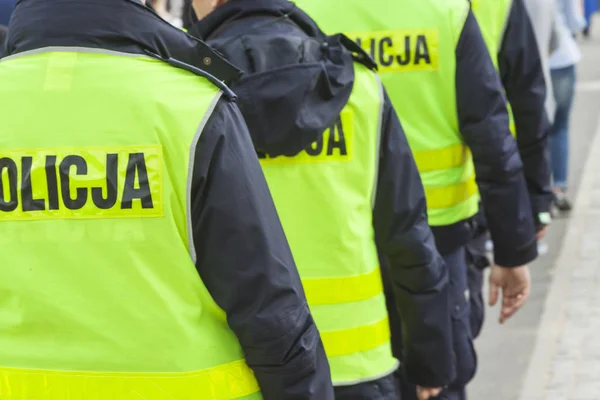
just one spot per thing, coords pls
(343, 290)
(356, 340)
(109, 305)
(229, 381)
(448, 157)
(414, 44)
(324, 197)
(492, 16)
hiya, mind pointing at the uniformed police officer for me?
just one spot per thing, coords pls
(435, 65)
(512, 44)
(344, 183)
(133, 212)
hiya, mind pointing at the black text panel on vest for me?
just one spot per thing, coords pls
(401, 50)
(335, 145)
(102, 182)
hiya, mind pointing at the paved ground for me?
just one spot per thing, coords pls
(551, 350)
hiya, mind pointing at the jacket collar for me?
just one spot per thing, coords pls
(238, 9)
(118, 25)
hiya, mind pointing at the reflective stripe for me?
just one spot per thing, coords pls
(356, 340)
(343, 290)
(379, 134)
(192, 163)
(448, 196)
(228, 381)
(73, 49)
(513, 126)
(440, 159)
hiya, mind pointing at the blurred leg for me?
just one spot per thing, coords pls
(466, 359)
(477, 315)
(563, 83)
(477, 262)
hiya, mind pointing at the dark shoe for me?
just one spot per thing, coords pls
(562, 202)
(586, 32)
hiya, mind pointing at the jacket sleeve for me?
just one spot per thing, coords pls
(523, 80)
(483, 121)
(245, 262)
(415, 270)
(573, 16)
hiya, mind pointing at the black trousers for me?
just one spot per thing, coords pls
(466, 358)
(385, 388)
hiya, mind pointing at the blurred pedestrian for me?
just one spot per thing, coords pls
(345, 183)
(563, 63)
(590, 7)
(165, 9)
(542, 14)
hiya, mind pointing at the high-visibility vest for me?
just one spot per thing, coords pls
(414, 43)
(100, 297)
(324, 197)
(492, 17)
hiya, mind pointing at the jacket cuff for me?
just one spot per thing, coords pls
(540, 203)
(515, 258)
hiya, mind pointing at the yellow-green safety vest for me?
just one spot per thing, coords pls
(100, 297)
(492, 16)
(324, 197)
(414, 44)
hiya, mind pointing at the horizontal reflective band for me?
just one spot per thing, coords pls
(228, 381)
(356, 340)
(448, 196)
(440, 159)
(343, 290)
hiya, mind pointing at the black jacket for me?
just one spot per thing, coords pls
(523, 80)
(484, 125)
(297, 81)
(242, 255)
(522, 76)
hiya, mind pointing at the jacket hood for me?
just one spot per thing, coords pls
(296, 79)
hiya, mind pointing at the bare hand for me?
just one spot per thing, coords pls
(515, 284)
(424, 393)
(542, 233)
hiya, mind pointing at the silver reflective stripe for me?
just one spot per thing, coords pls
(378, 144)
(209, 112)
(74, 49)
(371, 379)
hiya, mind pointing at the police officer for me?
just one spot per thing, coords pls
(344, 183)
(435, 65)
(142, 253)
(511, 41)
